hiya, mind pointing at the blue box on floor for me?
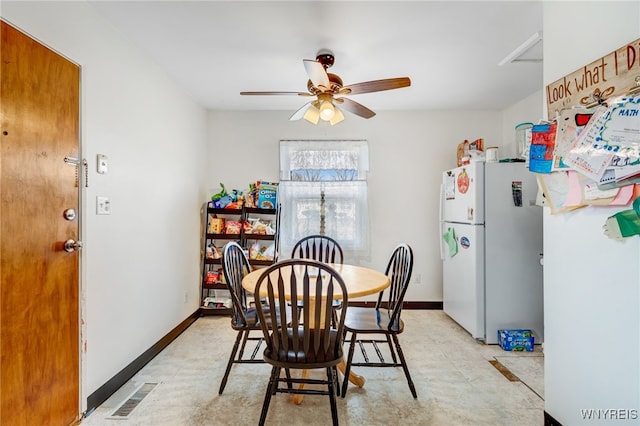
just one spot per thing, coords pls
(516, 340)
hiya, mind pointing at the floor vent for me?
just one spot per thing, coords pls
(124, 411)
(504, 370)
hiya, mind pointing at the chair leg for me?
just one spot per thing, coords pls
(232, 358)
(347, 368)
(404, 366)
(393, 353)
(331, 373)
(287, 373)
(337, 382)
(271, 388)
(244, 344)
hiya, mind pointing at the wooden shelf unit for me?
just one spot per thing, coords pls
(245, 239)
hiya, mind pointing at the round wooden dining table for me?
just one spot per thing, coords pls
(360, 281)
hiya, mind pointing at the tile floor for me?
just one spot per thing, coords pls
(455, 382)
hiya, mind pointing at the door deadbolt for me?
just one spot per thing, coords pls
(72, 245)
(70, 214)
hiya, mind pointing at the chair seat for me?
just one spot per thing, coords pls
(305, 359)
(253, 323)
(250, 315)
(368, 320)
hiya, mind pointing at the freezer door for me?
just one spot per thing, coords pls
(463, 194)
(463, 276)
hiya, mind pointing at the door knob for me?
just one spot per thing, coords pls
(72, 245)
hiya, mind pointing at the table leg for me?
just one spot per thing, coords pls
(353, 377)
(298, 398)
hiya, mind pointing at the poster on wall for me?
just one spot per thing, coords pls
(615, 74)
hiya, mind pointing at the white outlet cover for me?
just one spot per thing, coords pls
(103, 205)
(102, 163)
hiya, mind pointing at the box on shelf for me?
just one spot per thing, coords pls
(516, 340)
(267, 195)
(216, 225)
(262, 195)
(217, 302)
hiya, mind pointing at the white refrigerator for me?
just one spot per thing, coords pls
(491, 247)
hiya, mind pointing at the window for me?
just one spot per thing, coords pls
(323, 190)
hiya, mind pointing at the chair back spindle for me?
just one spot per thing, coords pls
(318, 247)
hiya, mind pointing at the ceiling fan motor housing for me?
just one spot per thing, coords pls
(326, 58)
(336, 84)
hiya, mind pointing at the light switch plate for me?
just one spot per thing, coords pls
(103, 205)
(102, 164)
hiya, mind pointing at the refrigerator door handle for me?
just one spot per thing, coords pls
(440, 211)
(441, 241)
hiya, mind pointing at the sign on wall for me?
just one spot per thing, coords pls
(612, 75)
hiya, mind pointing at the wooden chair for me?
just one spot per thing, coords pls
(244, 320)
(383, 320)
(323, 249)
(308, 343)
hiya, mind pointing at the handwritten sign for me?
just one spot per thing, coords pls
(612, 75)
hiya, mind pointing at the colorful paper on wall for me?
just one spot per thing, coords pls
(625, 195)
(586, 154)
(543, 138)
(623, 224)
(571, 122)
(608, 149)
(555, 187)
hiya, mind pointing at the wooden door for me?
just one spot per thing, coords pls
(39, 305)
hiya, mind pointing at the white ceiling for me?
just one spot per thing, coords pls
(449, 49)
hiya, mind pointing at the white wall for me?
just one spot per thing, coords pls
(591, 283)
(408, 152)
(528, 110)
(138, 262)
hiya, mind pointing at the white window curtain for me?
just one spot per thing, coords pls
(323, 187)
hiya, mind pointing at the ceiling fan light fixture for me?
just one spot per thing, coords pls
(338, 116)
(313, 114)
(327, 110)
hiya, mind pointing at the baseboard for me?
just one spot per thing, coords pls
(550, 421)
(405, 305)
(105, 391)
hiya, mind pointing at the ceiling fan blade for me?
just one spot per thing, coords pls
(277, 93)
(355, 108)
(317, 73)
(309, 111)
(375, 86)
(301, 112)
